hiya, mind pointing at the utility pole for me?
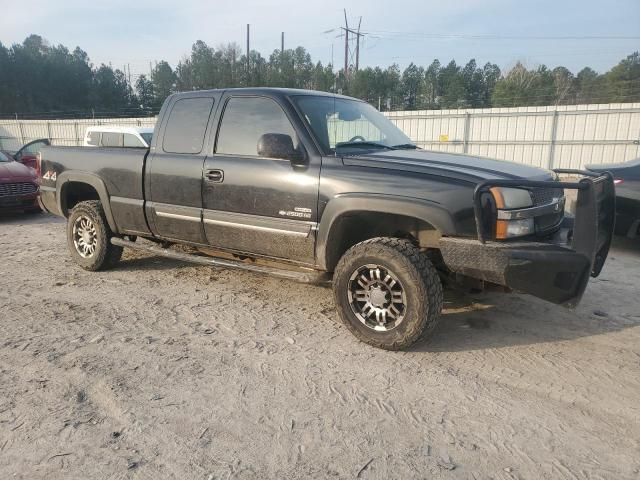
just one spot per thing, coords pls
(248, 64)
(346, 45)
(282, 44)
(358, 45)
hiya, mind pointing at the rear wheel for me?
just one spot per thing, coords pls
(89, 237)
(387, 292)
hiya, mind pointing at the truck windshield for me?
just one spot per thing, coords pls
(349, 126)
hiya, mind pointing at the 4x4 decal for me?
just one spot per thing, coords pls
(50, 175)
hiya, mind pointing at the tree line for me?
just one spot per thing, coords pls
(38, 79)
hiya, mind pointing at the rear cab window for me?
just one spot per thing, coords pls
(186, 125)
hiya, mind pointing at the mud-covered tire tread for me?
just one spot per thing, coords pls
(423, 274)
(107, 255)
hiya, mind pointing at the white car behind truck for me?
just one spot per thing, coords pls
(117, 136)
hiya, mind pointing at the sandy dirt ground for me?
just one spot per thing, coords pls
(160, 369)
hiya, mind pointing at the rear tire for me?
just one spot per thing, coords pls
(89, 237)
(388, 293)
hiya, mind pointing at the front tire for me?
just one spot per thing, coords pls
(388, 293)
(89, 237)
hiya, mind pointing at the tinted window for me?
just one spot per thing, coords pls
(186, 125)
(246, 119)
(147, 137)
(111, 139)
(32, 148)
(131, 140)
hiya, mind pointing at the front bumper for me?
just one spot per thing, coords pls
(557, 269)
(19, 202)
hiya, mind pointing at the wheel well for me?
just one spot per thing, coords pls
(74, 193)
(355, 227)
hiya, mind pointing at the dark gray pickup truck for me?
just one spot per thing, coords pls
(316, 187)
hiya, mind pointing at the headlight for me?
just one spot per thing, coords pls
(511, 198)
(507, 198)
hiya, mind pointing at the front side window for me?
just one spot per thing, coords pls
(4, 158)
(349, 126)
(246, 119)
(187, 125)
(131, 140)
(111, 139)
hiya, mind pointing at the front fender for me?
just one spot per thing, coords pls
(429, 212)
(89, 179)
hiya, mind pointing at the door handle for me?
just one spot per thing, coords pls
(215, 176)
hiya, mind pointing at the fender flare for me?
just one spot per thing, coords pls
(429, 212)
(92, 180)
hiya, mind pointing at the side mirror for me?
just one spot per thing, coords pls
(279, 145)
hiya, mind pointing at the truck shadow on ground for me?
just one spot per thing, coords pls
(497, 320)
(506, 320)
(137, 262)
(478, 321)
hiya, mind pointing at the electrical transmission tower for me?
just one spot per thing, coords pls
(351, 53)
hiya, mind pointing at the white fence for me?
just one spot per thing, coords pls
(15, 133)
(551, 137)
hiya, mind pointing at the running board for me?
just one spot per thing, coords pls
(311, 276)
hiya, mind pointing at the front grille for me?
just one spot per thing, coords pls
(17, 189)
(546, 224)
(544, 196)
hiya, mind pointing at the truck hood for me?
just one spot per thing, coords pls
(611, 167)
(14, 171)
(463, 167)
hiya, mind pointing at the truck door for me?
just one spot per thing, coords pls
(254, 204)
(173, 183)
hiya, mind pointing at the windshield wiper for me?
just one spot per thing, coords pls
(407, 146)
(363, 144)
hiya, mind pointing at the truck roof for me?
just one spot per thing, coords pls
(273, 91)
(119, 129)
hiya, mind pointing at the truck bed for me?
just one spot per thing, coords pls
(114, 172)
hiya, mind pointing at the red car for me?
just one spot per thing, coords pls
(18, 186)
(28, 154)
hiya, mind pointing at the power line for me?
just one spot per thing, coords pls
(501, 37)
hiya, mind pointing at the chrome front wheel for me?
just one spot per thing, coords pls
(387, 292)
(377, 297)
(85, 237)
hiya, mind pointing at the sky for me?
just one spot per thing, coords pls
(573, 33)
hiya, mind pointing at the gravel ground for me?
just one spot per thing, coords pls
(160, 369)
